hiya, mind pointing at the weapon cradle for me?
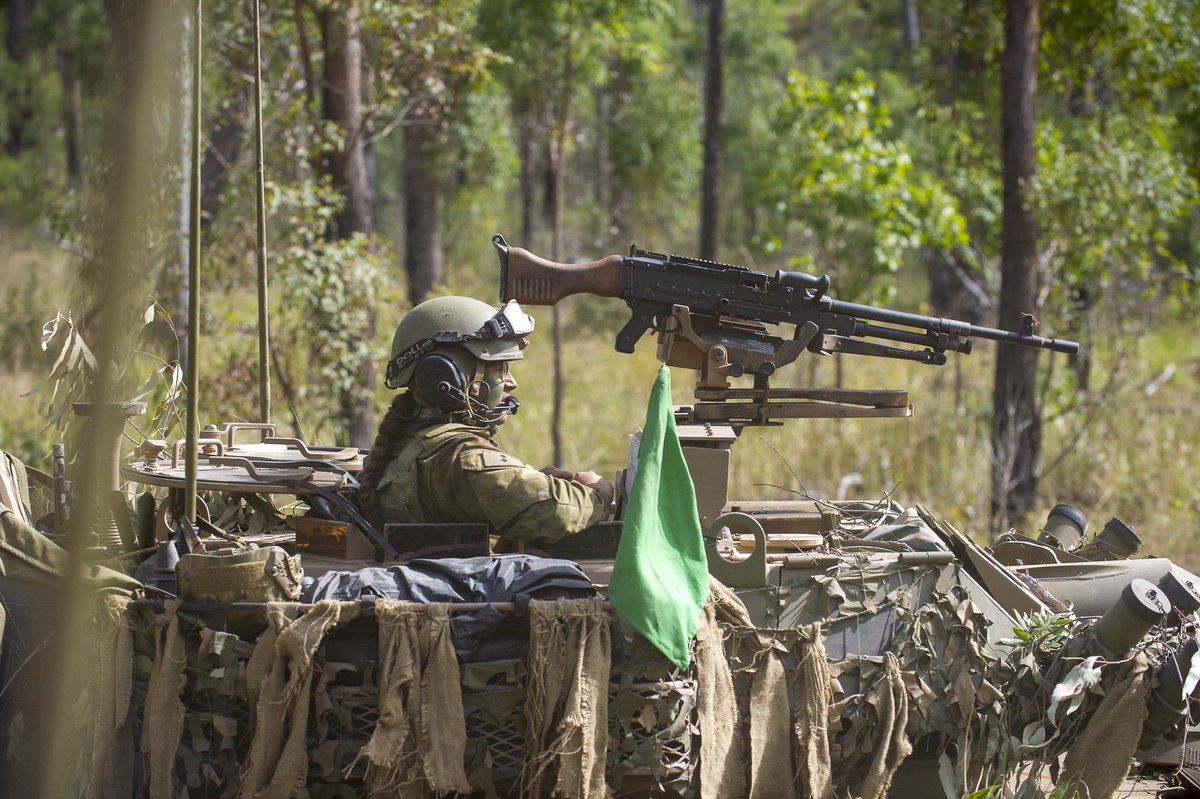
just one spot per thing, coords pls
(762, 406)
(721, 348)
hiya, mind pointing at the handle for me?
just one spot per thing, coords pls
(532, 280)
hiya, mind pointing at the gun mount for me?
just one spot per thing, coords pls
(722, 349)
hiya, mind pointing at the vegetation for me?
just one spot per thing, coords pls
(862, 140)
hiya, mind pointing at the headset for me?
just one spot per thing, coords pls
(438, 383)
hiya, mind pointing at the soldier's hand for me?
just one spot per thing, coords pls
(605, 488)
(589, 479)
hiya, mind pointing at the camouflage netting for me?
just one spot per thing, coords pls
(354, 741)
(339, 705)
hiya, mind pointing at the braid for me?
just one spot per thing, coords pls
(387, 442)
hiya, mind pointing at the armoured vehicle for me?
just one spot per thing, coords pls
(283, 645)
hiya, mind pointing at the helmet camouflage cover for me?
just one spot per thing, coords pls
(461, 328)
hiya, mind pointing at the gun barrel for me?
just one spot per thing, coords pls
(952, 327)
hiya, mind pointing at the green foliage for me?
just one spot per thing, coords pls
(1042, 631)
(1108, 195)
(327, 283)
(482, 151)
(71, 375)
(842, 196)
(542, 41)
(427, 53)
(645, 117)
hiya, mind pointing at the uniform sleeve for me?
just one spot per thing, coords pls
(523, 504)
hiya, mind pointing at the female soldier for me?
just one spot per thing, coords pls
(434, 459)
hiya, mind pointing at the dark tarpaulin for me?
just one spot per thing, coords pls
(480, 636)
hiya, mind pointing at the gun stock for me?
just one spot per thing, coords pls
(532, 280)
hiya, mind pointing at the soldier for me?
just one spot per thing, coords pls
(434, 459)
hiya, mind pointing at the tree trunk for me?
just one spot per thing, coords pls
(224, 145)
(527, 177)
(343, 104)
(16, 138)
(342, 98)
(556, 254)
(72, 114)
(422, 234)
(557, 162)
(912, 30)
(710, 194)
(602, 182)
(1016, 425)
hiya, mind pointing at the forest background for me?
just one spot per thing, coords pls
(950, 157)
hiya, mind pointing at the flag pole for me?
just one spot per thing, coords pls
(193, 349)
(264, 336)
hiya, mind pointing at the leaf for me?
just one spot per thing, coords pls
(145, 388)
(1034, 735)
(49, 330)
(946, 775)
(647, 718)
(87, 355)
(1074, 687)
(56, 414)
(1193, 675)
(989, 792)
(62, 362)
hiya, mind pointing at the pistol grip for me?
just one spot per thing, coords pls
(639, 322)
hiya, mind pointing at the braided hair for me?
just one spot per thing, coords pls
(400, 415)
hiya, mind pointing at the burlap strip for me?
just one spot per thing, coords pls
(418, 746)
(893, 745)
(1101, 756)
(720, 740)
(566, 706)
(278, 764)
(164, 706)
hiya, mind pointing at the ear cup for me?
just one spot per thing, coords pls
(438, 384)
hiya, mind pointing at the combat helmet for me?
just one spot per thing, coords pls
(439, 346)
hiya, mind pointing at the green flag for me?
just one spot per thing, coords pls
(660, 578)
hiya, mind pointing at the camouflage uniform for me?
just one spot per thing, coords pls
(453, 472)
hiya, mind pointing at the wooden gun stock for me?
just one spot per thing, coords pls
(532, 280)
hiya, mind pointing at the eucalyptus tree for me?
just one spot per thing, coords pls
(553, 50)
(714, 68)
(1016, 418)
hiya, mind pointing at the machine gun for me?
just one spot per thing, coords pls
(712, 317)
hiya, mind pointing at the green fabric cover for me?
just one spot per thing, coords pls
(660, 578)
(29, 557)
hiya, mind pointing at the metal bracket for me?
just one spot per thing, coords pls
(748, 573)
(721, 348)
